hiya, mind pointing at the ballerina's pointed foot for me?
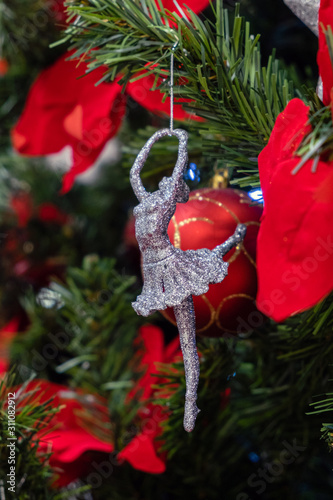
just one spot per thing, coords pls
(240, 232)
(191, 413)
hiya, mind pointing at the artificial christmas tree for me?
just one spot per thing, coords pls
(65, 289)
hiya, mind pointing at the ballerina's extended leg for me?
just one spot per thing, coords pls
(186, 326)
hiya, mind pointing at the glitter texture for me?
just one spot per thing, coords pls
(306, 11)
(320, 89)
(171, 276)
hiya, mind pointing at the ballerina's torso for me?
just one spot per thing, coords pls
(152, 217)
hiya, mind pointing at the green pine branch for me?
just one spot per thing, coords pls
(33, 473)
(238, 96)
(84, 337)
(272, 377)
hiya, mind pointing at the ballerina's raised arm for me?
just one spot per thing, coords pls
(138, 188)
(180, 166)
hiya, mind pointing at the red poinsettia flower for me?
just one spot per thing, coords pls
(75, 433)
(63, 109)
(295, 241)
(153, 352)
(78, 435)
(67, 110)
(142, 452)
(325, 19)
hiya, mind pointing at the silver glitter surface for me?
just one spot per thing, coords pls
(171, 276)
(320, 89)
(306, 11)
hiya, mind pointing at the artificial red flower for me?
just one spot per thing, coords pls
(153, 352)
(295, 241)
(73, 432)
(325, 19)
(142, 452)
(7, 334)
(73, 435)
(63, 109)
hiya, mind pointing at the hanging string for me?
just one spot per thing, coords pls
(172, 85)
(180, 10)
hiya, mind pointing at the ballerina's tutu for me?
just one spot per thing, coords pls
(168, 282)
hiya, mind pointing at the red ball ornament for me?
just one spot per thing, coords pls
(206, 220)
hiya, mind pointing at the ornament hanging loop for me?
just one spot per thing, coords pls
(171, 83)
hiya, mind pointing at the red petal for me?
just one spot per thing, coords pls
(153, 340)
(68, 437)
(287, 134)
(141, 454)
(68, 446)
(295, 246)
(63, 109)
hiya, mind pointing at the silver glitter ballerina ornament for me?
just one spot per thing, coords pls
(171, 276)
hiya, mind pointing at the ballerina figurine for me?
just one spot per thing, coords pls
(170, 275)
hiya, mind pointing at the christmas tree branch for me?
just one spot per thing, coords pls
(97, 321)
(27, 27)
(238, 96)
